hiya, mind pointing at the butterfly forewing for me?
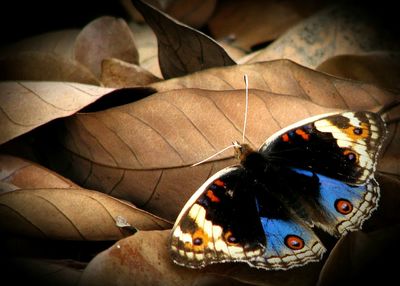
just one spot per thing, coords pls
(226, 221)
(219, 223)
(343, 146)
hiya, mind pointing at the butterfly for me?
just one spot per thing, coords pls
(318, 172)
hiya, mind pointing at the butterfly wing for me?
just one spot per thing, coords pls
(222, 223)
(343, 146)
(337, 154)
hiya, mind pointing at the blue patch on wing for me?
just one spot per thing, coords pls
(331, 190)
(276, 230)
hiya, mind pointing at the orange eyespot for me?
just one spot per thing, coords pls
(199, 238)
(285, 137)
(294, 242)
(343, 206)
(355, 132)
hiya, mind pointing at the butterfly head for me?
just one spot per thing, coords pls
(241, 150)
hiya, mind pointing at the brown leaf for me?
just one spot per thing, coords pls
(49, 56)
(143, 151)
(117, 73)
(387, 214)
(368, 253)
(380, 68)
(285, 77)
(28, 175)
(146, 43)
(33, 65)
(194, 13)
(70, 55)
(388, 164)
(41, 271)
(143, 259)
(27, 105)
(234, 52)
(70, 214)
(250, 23)
(318, 38)
(105, 37)
(363, 258)
(182, 50)
(58, 43)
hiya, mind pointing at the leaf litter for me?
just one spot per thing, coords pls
(128, 165)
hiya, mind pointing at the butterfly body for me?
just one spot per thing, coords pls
(318, 172)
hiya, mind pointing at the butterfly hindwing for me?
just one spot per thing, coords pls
(338, 152)
(222, 223)
(342, 207)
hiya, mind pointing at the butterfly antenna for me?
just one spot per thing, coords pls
(216, 154)
(246, 82)
(234, 144)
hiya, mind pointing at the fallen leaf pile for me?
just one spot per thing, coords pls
(100, 128)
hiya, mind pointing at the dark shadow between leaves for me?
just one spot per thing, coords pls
(119, 97)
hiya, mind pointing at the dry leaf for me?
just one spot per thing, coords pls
(181, 49)
(143, 259)
(363, 258)
(146, 43)
(70, 55)
(49, 56)
(234, 52)
(387, 214)
(27, 105)
(143, 151)
(285, 77)
(380, 68)
(251, 23)
(70, 214)
(44, 66)
(116, 73)
(28, 175)
(318, 38)
(105, 37)
(41, 271)
(194, 13)
(59, 43)
(391, 150)
(368, 253)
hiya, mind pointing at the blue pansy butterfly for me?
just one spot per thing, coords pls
(317, 172)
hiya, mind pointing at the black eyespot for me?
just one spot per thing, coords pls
(357, 130)
(343, 206)
(351, 157)
(294, 242)
(197, 241)
(232, 239)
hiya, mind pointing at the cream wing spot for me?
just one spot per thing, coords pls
(208, 228)
(194, 210)
(353, 120)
